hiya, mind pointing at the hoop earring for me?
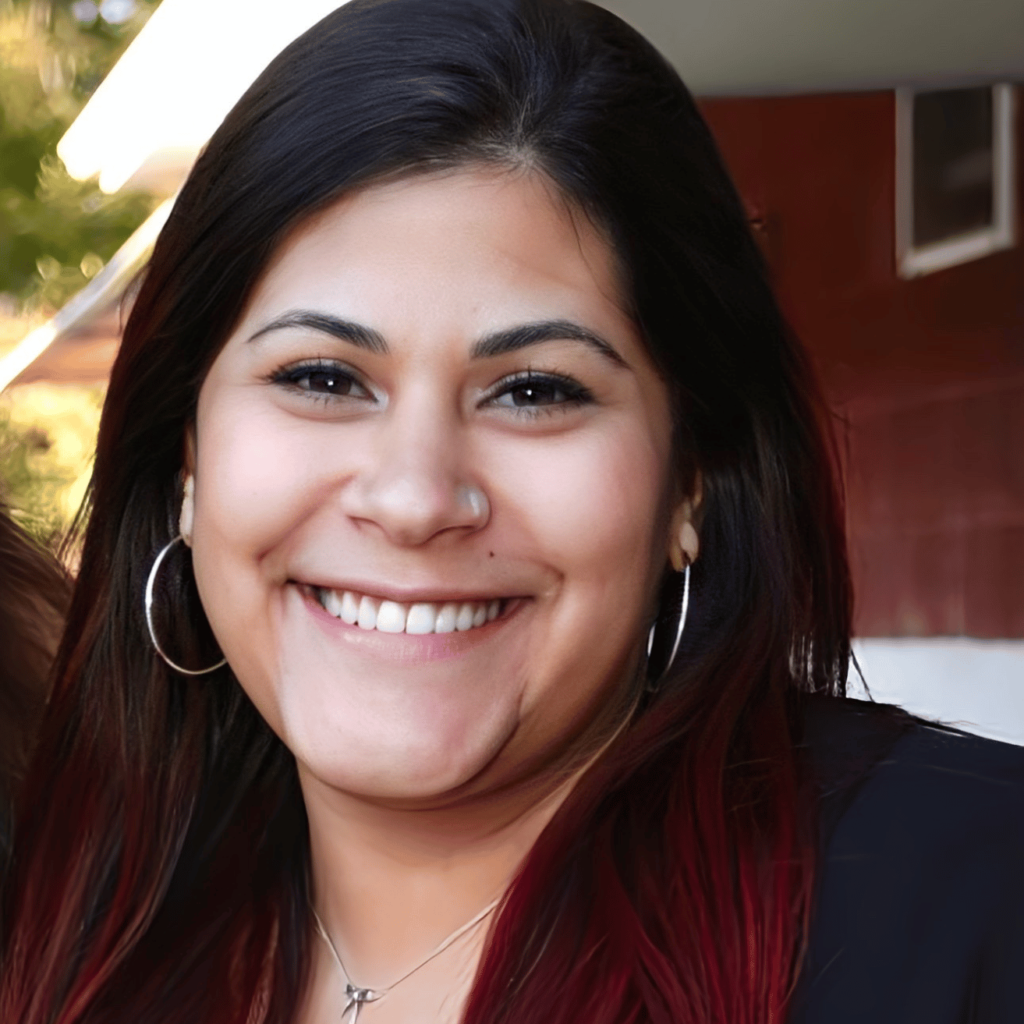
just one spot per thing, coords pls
(680, 624)
(148, 606)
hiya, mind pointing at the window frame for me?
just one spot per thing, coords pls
(913, 261)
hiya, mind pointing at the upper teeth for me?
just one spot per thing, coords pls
(394, 617)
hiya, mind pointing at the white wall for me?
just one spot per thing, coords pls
(977, 685)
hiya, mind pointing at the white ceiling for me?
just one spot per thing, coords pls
(778, 46)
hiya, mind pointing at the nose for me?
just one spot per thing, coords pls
(416, 485)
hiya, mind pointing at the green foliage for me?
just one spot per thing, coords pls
(47, 435)
(54, 231)
(27, 484)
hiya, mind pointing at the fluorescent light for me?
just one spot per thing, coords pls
(174, 85)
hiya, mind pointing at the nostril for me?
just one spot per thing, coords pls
(413, 506)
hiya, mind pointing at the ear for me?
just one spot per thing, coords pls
(684, 542)
(188, 509)
(188, 501)
(188, 455)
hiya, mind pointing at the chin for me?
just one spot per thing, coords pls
(417, 752)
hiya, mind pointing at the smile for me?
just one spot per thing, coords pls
(419, 619)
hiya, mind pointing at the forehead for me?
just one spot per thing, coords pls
(475, 245)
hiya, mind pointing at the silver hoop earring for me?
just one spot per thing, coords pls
(148, 605)
(680, 624)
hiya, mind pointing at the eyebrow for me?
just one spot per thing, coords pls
(346, 330)
(514, 338)
(496, 343)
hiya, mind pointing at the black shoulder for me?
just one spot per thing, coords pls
(920, 898)
(842, 741)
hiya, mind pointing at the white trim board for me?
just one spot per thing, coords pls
(976, 685)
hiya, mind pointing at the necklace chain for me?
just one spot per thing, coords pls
(357, 995)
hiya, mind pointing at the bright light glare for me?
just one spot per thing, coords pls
(179, 78)
(117, 12)
(85, 11)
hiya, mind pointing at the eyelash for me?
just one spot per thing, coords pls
(574, 394)
(292, 377)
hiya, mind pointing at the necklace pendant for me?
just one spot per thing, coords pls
(356, 998)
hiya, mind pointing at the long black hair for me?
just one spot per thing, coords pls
(673, 884)
(34, 593)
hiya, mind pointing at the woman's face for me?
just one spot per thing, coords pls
(434, 418)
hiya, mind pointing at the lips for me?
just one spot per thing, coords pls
(419, 618)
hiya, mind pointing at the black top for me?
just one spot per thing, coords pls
(919, 915)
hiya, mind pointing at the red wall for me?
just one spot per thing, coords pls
(927, 374)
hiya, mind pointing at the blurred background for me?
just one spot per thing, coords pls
(56, 234)
(877, 147)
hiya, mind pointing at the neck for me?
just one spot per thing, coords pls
(390, 883)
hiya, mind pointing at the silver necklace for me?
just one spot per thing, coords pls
(356, 996)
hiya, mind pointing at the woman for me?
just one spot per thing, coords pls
(33, 600)
(454, 370)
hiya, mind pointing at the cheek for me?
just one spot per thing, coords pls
(250, 491)
(254, 475)
(593, 504)
(593, 512)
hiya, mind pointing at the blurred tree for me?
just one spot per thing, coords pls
(55, 232)
(47, 435)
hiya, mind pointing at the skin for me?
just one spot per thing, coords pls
(433, 471)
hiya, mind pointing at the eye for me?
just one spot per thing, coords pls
(321, 379)
(539, 391)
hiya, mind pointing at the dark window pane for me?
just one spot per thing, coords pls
(953, 163)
